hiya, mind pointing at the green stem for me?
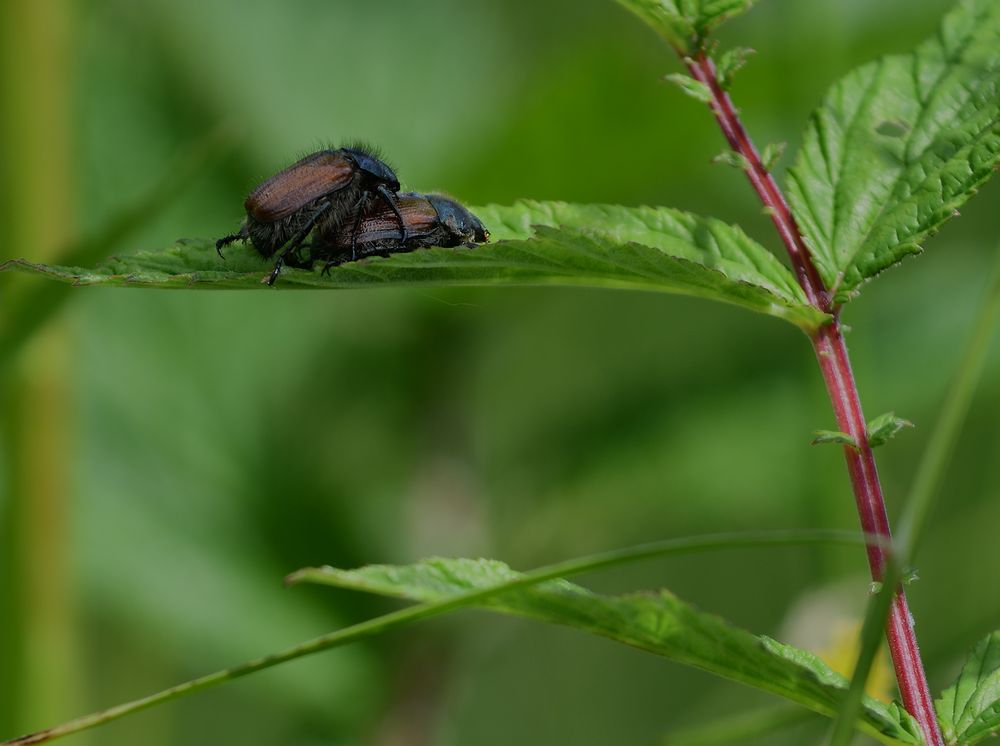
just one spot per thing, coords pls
(741, 728)
(40, 302)
(871, 641)
(930, 473)
(38, 651)
(435, 608)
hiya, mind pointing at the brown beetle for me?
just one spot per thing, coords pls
(324, 192)
(430, 220)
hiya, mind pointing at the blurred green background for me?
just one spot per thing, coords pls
(168, 457)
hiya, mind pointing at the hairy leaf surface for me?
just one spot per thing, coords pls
(897, 146)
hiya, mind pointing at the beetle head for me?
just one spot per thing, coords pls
(373, 167)
(459, 221)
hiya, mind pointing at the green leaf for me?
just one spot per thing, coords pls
(658, 623)
(444, 604)
(833, 436)
(897, 146)
(731, 62)
(969, 710)
(772, 154)
(885, 427)
(691, 87)
(733, 159)
(686, 23)
(654, 249)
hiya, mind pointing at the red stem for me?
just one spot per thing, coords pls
(831, 352)
(703, 70)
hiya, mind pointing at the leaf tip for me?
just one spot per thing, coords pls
(301, 575)
(884, 428)
(691, 87)
(732, 159)
(834, 436)
(772, 154)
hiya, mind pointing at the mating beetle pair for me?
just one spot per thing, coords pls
(333, 195)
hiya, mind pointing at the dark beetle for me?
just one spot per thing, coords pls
(326, 191)
(430, 220)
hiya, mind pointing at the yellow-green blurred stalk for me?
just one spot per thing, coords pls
(38, 676)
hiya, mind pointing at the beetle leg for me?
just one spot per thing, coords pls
(391, 201)
(300, 258)
(358, 211)
(294, 243)
(331, 263)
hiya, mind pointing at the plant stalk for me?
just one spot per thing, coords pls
(429, 609)
(702, 69)
(39, 672)
(926, 486)
(831, 353)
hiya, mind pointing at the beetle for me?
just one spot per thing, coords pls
(430, 220)
(323, 191)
